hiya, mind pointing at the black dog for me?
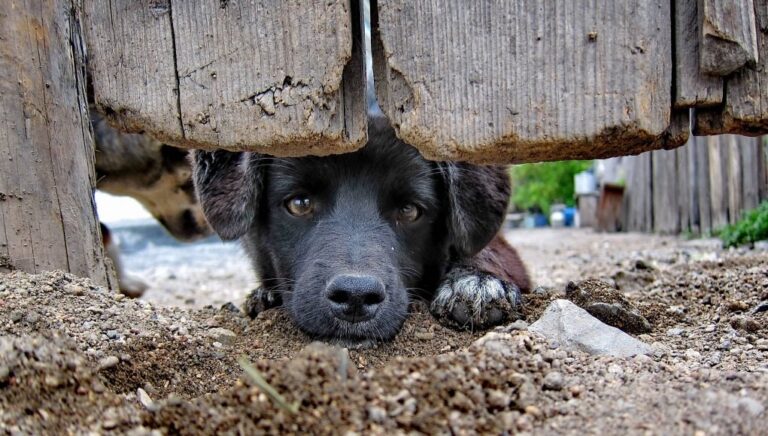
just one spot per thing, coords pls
(342, 241)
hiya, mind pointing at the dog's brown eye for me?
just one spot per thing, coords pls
(300, 205)
(409, 213)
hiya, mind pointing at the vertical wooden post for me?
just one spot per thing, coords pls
(47, 214)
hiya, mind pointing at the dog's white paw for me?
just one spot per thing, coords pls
(132, 286)
(471, 299)
(261, 299)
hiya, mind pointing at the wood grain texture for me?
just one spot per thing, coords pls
(47, 214)
(750, 171)
(692, 87)
(526, 81)
(666, 214)
(718, 182)
(701, 151)
(762, 168)
(745, 110)
(732, 146)
(683, 189)
(638, 197)
(280, 77)
(728, 37)
(701, 187)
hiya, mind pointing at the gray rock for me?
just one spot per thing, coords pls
(750, 406)
(225, 336)
(5, 373)
(762, 307)
(517, 325)
(554, 381)
(675, 331)
(573, 327)
(108, 362)
(144, 398)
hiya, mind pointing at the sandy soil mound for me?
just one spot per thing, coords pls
(78, 358)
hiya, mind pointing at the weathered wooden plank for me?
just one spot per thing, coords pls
(728, 36)
(648, 213)
(745, 110)
(683, 188)
(750, 172)
(131, 64)
(46, 151)
(283, 78)
(526, 81)
(703, 196)
(692, 88)
(733, 148)
(718, 180)
(763, 168)
(694, 217)
(638, 197)
(666, 218)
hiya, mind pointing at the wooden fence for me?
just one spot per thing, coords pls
(479, 81)
(700, 187)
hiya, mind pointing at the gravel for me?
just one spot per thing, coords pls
(76, 358)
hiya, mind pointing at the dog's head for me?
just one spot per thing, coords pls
(347, 238)
(157, 175)
(171, 197)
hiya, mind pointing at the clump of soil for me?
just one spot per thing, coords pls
(607, 304)
(78, 358)
(46, 386)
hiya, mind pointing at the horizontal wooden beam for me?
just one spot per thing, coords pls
(272, 76)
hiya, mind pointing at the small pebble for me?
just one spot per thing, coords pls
(52, 381)
(737, 306)
(5, 374)
(108, 362)
(675, 331)
(692, 355)
(750, 406)
(424, 336)
(74, 289)
(498, 399)
(144, 398)
(377, 414)
(517, 325)
(533, 411)
(225, 336)
(554, 381)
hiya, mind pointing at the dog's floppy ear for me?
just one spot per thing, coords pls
(477, 205)
(229, 185)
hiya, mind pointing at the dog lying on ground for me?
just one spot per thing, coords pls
(158, 176)
(341, 242)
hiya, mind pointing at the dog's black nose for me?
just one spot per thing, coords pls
(355, 298)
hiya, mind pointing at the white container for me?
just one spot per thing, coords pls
(585, 183)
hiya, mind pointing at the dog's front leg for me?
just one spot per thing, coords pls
(483, 291)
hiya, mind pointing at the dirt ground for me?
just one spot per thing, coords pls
(75, 358)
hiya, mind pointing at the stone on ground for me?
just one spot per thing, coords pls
(573, 327)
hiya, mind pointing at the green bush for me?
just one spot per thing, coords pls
(540, 185)
(752, 227)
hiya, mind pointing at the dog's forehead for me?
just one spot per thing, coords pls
(387, 163)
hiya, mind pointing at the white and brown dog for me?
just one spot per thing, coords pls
(158, 176)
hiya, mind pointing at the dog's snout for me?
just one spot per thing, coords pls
(355, 298)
